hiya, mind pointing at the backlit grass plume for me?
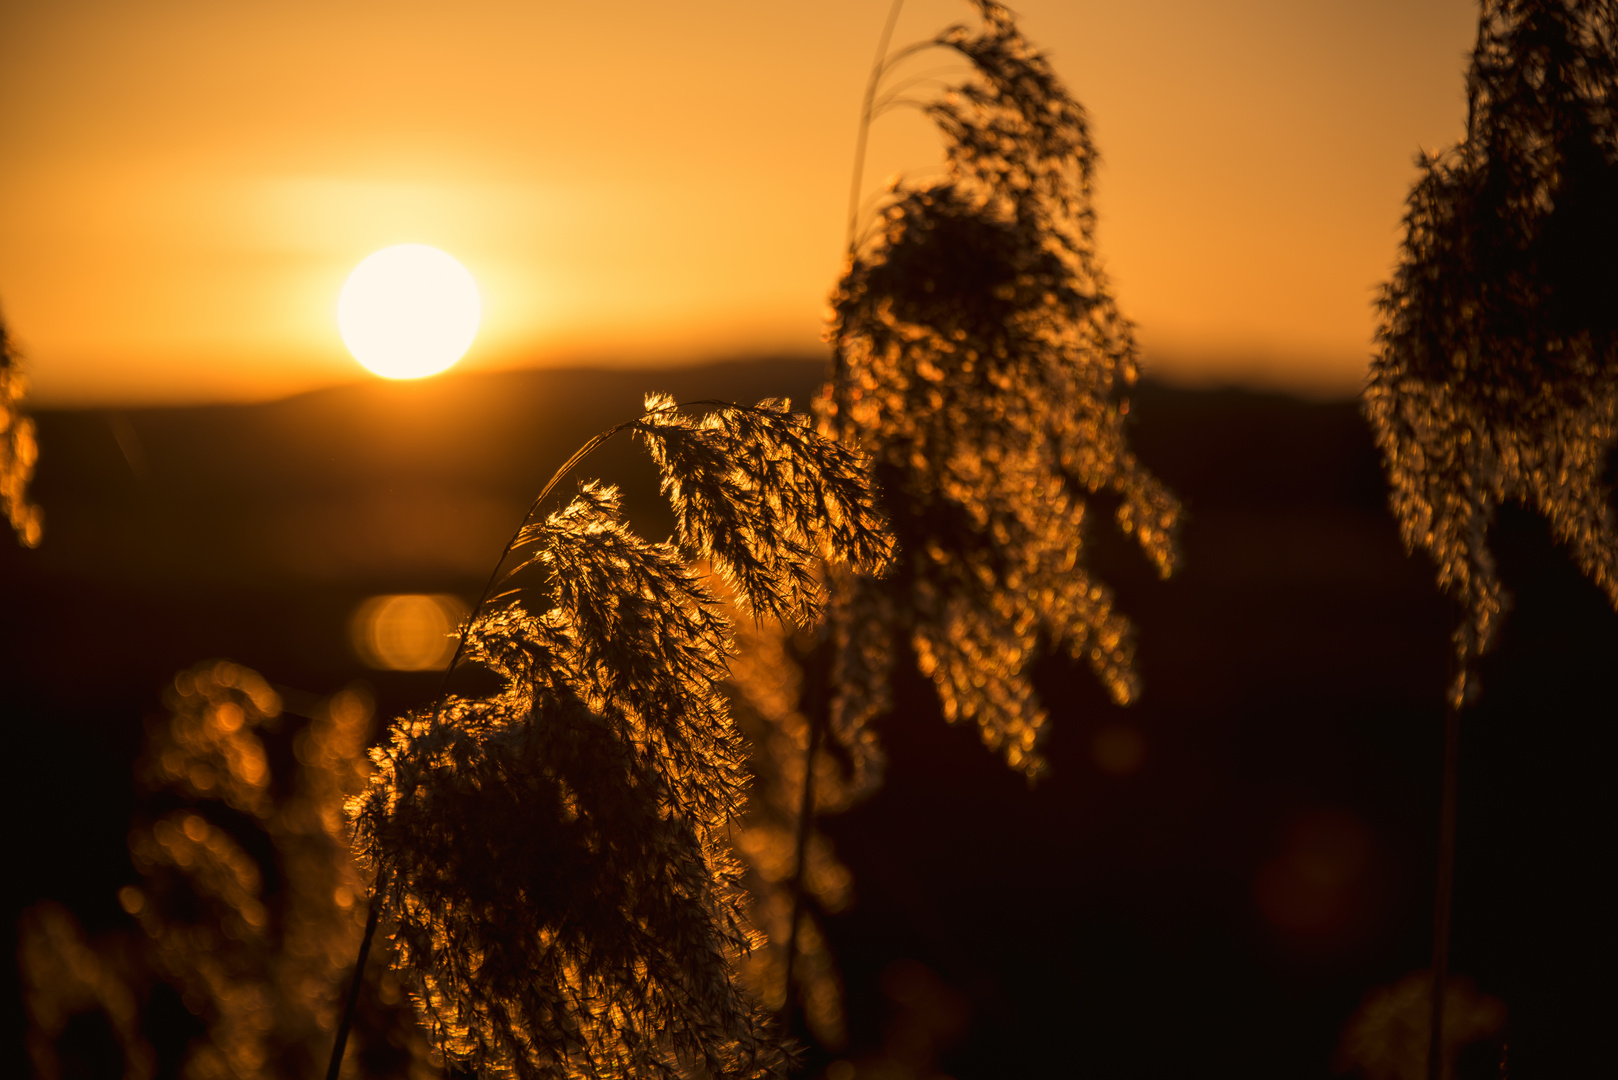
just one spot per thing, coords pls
(18, 450)
(553, 855)
(981, 361)
(1496, 375)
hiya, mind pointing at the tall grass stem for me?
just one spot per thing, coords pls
(340, 1043)
(1444, 894)
(816, 708)
(806, 811)
(567, 466)
(878, 67)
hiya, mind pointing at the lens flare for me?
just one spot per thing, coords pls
(407, 632)
(409, 311)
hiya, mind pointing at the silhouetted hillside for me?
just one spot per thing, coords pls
(1217, 903)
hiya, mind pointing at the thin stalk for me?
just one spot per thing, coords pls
(1444, 894)
(568, 466)
(816, 703)
(806, 808)
(862, 137)
(878, 66)
(340, 1043)
(932, 75)
(561, 474)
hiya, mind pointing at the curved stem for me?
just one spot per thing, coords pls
(814, 689)
(931, 75)
(568, 466)
(561, 474)
(839, 395)
(816, 704)
(878, 66)
(340, 1043)
(806, 807)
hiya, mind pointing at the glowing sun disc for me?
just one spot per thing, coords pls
(408, 311)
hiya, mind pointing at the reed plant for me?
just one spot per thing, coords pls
(546, 847)
(552, 845)
(980, 359)
(552, 856)
(1496, 373)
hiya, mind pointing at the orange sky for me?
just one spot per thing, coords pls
(187, 183)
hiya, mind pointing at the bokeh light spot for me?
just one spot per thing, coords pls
(408, 631)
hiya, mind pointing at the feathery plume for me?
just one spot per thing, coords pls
(64, 975)
(979, 358)
(554, 856)
(1496, 373)
(262, 969)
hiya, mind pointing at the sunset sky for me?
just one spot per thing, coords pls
(187, 184)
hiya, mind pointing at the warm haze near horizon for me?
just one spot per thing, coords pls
(188, 184)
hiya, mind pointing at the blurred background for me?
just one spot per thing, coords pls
(1218, 874)
(1233, 875)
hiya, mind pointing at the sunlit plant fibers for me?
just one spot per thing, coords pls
(979, 358)
(553, 857)
(981, 361)
(1496, 375)
(18, 450)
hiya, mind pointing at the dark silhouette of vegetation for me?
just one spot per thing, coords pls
(1496, 376)
(561, 849)
(1497, 373)
(248, 903)
(553, 857)
(554, 879)
(18, 450)
(980, 360)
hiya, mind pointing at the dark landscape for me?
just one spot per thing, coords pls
(1221, 907)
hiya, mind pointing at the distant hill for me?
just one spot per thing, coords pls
(1104, 924)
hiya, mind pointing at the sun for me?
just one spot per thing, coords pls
(408, 311)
